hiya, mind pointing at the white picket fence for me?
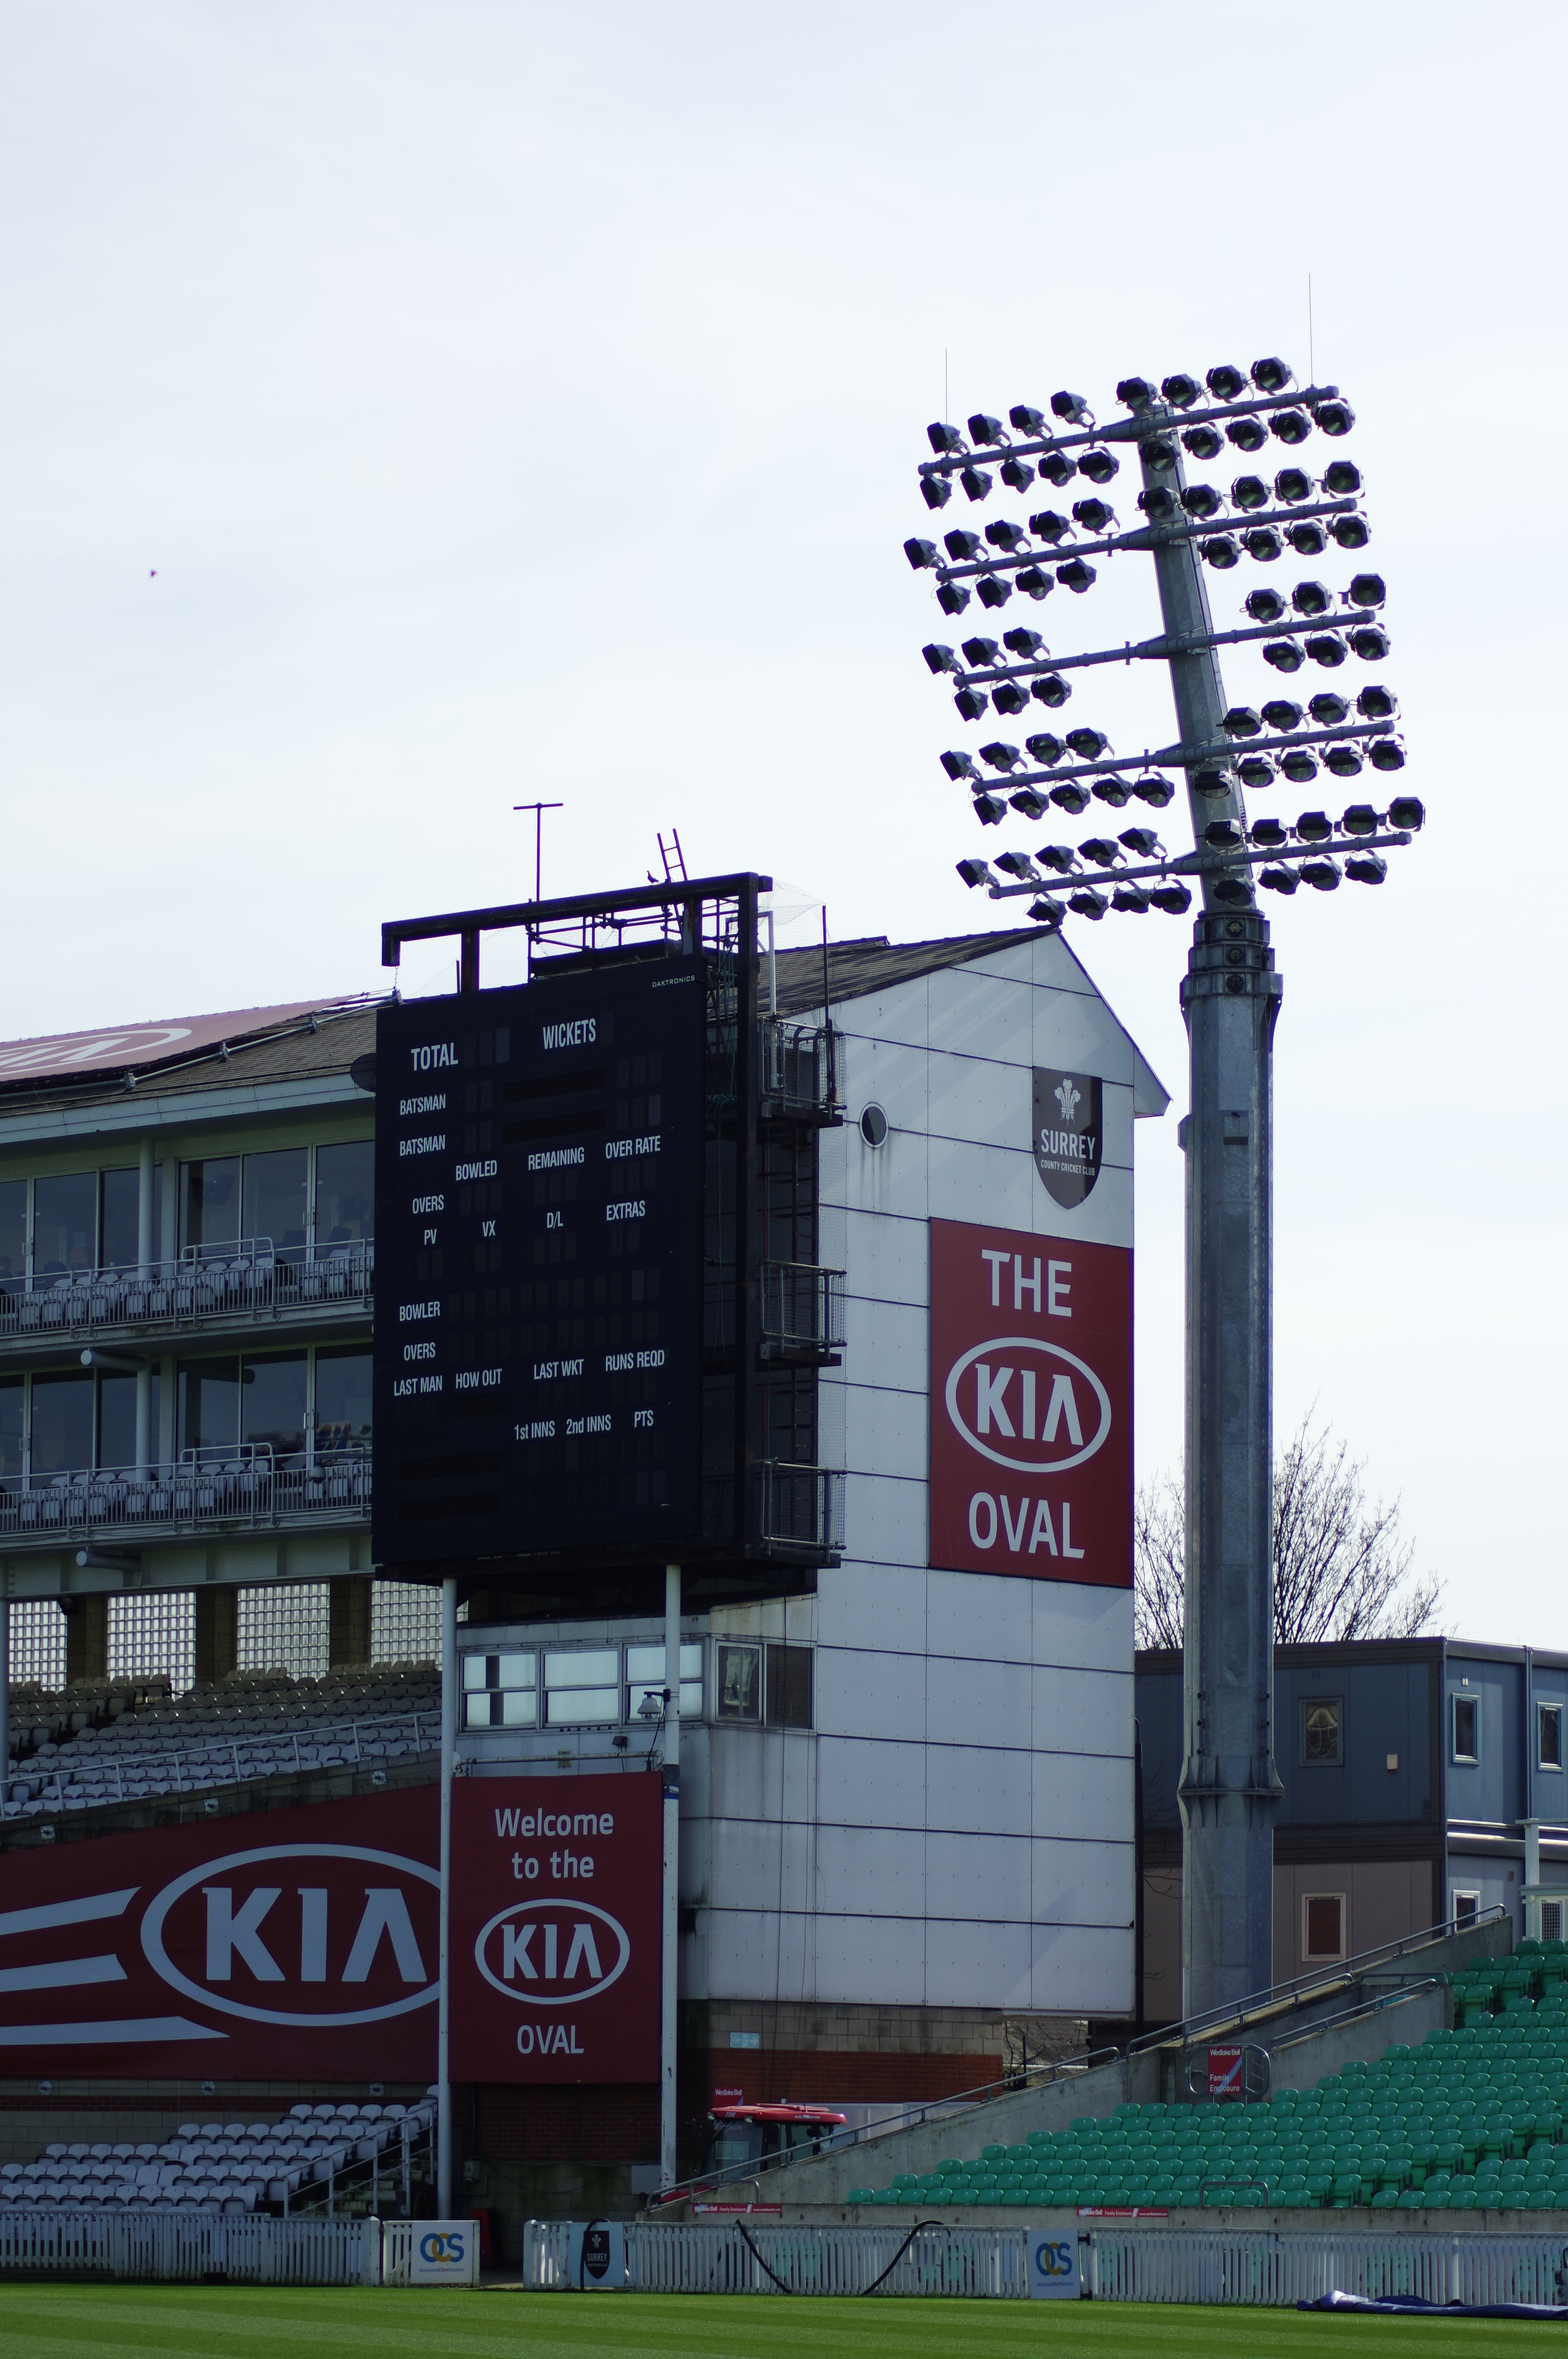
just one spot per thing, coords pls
(173, 2245)
(1258, 2266)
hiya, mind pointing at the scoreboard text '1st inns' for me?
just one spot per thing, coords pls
(538, 1292)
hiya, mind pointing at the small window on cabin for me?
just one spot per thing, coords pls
(1465, 1727)
(1323, 1926)
(1323, 1732)
(1549, 1735)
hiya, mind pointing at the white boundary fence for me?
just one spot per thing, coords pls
(172, 2245)
(1260, 2268)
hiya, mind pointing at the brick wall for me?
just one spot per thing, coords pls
(613, 2124)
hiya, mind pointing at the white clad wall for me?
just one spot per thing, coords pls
(958, 1829)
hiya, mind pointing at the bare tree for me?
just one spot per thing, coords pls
(1342, 1567)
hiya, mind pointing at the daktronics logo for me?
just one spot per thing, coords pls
(307, 1936)
(1028, 1405)
(547, 1951)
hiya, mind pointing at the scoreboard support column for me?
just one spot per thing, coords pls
(444, 2171)
(670, 1946)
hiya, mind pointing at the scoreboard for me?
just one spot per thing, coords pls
(539, 1271)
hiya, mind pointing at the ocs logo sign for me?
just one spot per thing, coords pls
(445, 2247)
(1028, 1405)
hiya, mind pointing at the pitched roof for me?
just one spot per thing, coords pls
(871, 964)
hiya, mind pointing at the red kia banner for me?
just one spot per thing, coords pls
(1031, 1405)
(556, 1928)
(282, 1945)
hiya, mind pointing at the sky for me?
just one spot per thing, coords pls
(408, 411)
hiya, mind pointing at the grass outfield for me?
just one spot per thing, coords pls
(58, 2321)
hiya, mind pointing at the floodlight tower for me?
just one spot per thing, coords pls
(1231, 992)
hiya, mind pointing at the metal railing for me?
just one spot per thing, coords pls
(797, 1070)
(1263, 2267)
(802, 1310)
(802, 1505)
(190, 1769)
(249, 1280)
(244, 1487)
(185, 2245)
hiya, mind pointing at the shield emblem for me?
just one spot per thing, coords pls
(1067, 1133)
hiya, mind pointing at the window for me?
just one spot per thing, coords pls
(119, 1213)
(345, 1194)
(1323, 1732)
(500, 1690)
(62, 1424)
(117, 1420)
(210, 1203)
(646, 1670)
(1466, 1909)
(209, 1403)
(1549, 1735)
(789, 1687)
(65, 1224)
(582, 1687)
(342, 1401)
(739, 1691)
(1323, 1926)
(13, 1231)
(274, 1198)
(272, 1404)
(13, 1427)
(1465, 1727)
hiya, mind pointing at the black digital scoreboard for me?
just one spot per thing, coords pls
(539, 1267)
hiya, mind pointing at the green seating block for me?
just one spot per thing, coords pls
(862, 2195)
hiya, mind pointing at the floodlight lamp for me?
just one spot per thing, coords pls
(1203, 501)
(989, 809)
(1366, 867)
(1060, 858)
(953, 597)
(1202, 442)
(1233, 892)
(1210, 779)
(1057, 468)
(1242, 721)
(1247, 433)
(1034, 582)
(1311, 599)
(1023, 643)
(979, 654)
(1271, 374)
(1341, 479)
(1136, 392)
(1329, 709)
(1221, 551)
(1143, 841)
(946, 441)
(1025, 419)
(1156, 792)
(1089, 904)
(1299, 764)
(992, 593)
(1334, 417)
(976, 482)
(1157, 504)
(1045, 749)
(1131, 899)
(1269, 834)
(936, 491)
(1053, 914)
(983, 429)
(1262, 542)
(1073, 407)
(1284, 654)
(1010, 699)
(959, 766)
(1048, 525)
(1102, 850)
(1327, 647)
(1367, 590)
(1224, 835)
(1029, 804)
(1181, 390)
(1004, 535)
(1386, 753)
(1099, 466)
(1051, 689)
(963, 546)
(1019, 865)
(1264, 605)
(1158, 453)
(1225, 384)
(1307, 537)
(1376, 702)
(1407, 813)
(920, 553)
(1071, 797)
(1000, 756)
(1076, 575)
(1279, 877)
(1280, 713)
(1094, 515)
(1173, 898)
(972, 703)
(1351, 531)
(1248, 492)
(1088, 744)
(1314, 827)
(1345, 760)
(1322, 873)
(941, 659)
(1369, 641)
(1255, 770)
(1112, 790)
(975, 872)
(1289, 425)
(1016, 474)
(1293, 484)
(1359, 820)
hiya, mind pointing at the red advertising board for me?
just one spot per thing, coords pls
(556, 1928)
(1225, 2073)
(280, 1945)
(1031, 1405)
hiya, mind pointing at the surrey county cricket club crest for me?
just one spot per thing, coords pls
(1067, 1133)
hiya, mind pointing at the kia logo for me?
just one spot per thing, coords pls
(332, 1933)
(1049, 1406)
(546, 1952)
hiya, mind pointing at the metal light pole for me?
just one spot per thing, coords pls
(1229, 1788)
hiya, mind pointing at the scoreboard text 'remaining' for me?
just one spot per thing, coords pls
(538, 1329)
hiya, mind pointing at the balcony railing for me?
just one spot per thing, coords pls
(802, 1507)
(242, 1490)
(802, 1311)
(798, 1071)
(250, 1282)
(99, 1774)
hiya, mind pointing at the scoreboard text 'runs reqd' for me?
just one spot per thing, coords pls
(538, 1325)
